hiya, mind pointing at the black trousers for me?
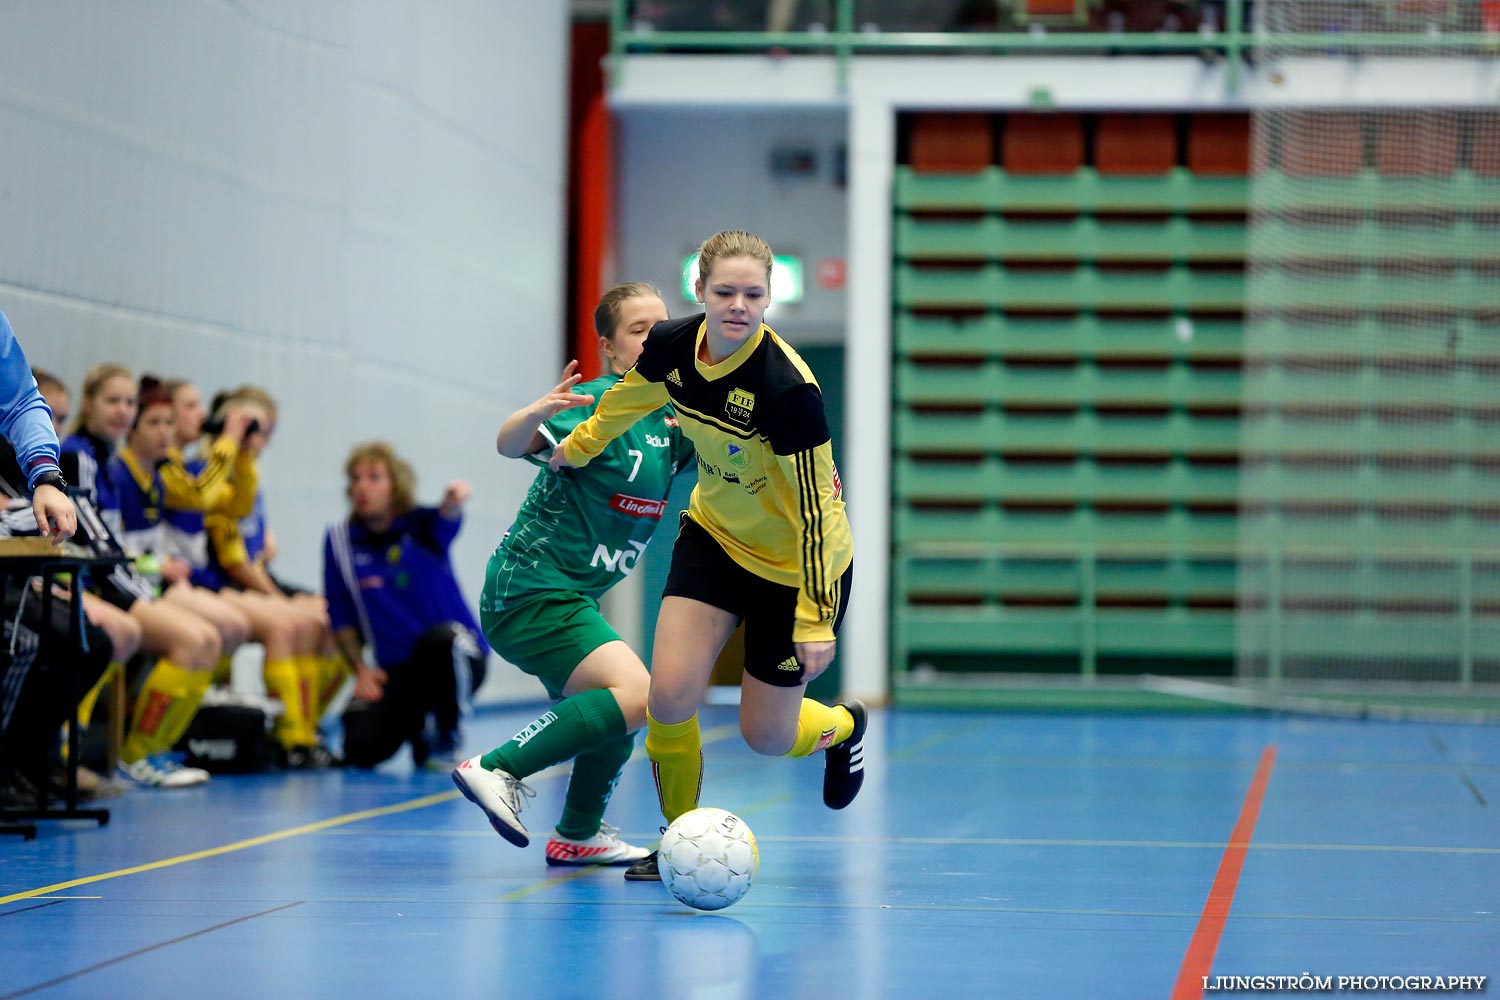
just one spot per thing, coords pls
(38, 692)
(443, 671)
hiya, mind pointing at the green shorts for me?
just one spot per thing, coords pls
(548, 635)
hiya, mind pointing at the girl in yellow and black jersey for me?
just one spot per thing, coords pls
(765, 539)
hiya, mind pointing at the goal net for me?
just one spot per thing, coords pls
(1370, 434)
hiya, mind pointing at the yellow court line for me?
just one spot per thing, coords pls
(937, 739)
(774, 800)
(239, 845)
(67, 897)
(536, 887)
(753, 904)
(709, 736)
(1155, 844)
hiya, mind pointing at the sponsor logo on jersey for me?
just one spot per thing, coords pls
(671, 422)
(838, 485)
(740, 405)
(618, 560)
(738, 457)
(675, 378)
(714, 470)
(658, 442)
(790, 663)
(638, 506)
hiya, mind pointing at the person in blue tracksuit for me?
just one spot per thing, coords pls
(390, 585)
(26, 422)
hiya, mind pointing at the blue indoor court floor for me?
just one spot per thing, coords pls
(989, 855)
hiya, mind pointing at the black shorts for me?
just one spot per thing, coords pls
(120, 586)
(289, 589)
(702, 571)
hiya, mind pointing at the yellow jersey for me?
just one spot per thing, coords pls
(768, 491)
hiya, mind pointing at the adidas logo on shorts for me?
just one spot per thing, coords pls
(790, 663)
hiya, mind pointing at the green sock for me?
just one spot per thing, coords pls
(575, 725)
(595, 774)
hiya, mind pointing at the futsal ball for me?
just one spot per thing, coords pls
(708, 858)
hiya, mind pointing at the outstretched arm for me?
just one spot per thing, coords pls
(520, 434)
(627, 401)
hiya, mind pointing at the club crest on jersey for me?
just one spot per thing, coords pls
(740, 405)
(737, 456)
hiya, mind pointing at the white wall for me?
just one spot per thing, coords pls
(684, 174)
(357, 203)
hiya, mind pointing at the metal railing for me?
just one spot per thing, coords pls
(1236, 40)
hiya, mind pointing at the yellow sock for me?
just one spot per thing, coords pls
(282, 681)
(819, 727)
(310, 683)
(86, 706)
(180, 716)
(163, 687)
(676, 752)
(223, 671)
(332, 672)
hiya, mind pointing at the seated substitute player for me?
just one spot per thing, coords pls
(764, 539)
(389, 583)
(186, 645)
(577, 534)
(144, 488)
(208, 539)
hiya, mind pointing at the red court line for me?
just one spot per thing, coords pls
(1200, 951)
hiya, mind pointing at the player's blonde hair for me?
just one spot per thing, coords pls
(607, 312)
(255, 394)
(403, 477)
(93, 384)
(732, 243)
(44, 378)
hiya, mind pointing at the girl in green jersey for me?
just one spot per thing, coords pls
(578, 533)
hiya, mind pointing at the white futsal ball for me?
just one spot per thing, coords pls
(708, 858)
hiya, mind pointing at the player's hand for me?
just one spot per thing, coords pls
(369, 683)
(559, 459)
(454, 497)
(174, 570)
(236, 422)
(56, 517)
(814, 656)
(562, 396)
(269, 550)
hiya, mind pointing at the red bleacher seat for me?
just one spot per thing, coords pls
(1416, 144)
(1135, 144)
(1484, 155)
(1322, 144)
(1219, 145)
(1042, 144)
(943, 143)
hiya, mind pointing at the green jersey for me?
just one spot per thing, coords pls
(582, 530)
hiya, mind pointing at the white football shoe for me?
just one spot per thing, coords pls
(603, 848)
(162, 772)
(499, 794)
